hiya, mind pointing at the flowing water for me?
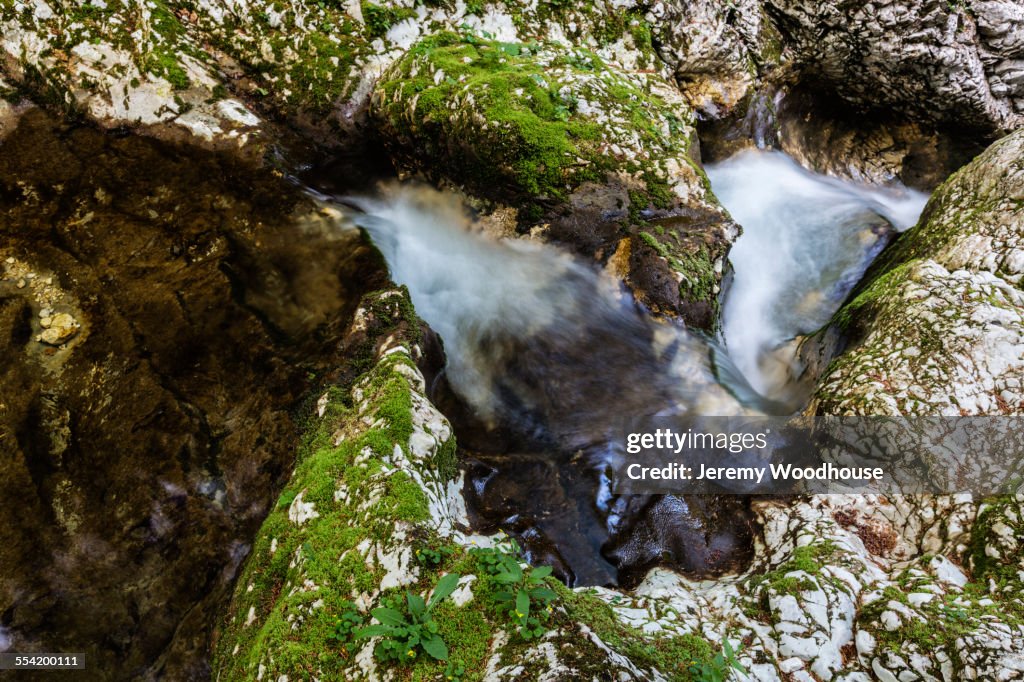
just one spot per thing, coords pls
(807, 240)
(546, 355)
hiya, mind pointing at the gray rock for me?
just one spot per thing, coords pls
(930, 60)
(940, 328)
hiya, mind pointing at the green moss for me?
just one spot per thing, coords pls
(322, 551)
(380, 18)
(698, 271)
(992, 595)
(880, 289)
(1001, 571)
(673, 656)
(164, 60)
(808, 559)
(522, 138)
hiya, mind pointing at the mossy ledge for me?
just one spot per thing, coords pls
(527, 123)
(374, 508)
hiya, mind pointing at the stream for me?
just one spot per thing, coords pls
(807, 240)
(546, 355)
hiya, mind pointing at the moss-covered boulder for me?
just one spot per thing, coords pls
(531, 122)
(374, 513)
(606, 157)
(122, 64)
(939, 327)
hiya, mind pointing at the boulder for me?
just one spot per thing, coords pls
(939, 326)
(605, 155)
(946, 63)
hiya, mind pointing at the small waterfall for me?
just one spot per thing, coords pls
(807, 240)
(531, 332)
(551, 355)
(547, 356)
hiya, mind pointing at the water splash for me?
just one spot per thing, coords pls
(530, 332)
(807, 240)
(552, 355)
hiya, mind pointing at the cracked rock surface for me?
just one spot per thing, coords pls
(954, 63)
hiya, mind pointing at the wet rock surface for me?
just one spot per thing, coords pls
(161, 315)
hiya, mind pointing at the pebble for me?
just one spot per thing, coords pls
(21, 284)
(62, 328)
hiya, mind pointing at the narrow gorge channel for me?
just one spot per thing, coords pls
(545, 355)
(328, 329)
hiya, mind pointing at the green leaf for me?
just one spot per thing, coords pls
(445, 586)
(503, 596)
(375, 631)
(389, 616)
(540, 572)
(416, 604)
(543, 593)
(523, 603)
(506, 578)
(436, 647)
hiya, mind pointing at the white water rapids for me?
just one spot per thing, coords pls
(531, 330)
(807, 239)
(547, 355)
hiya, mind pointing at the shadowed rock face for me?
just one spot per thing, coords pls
(138, 456)
(938, 62)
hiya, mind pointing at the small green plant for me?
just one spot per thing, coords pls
(526, 598)
(432, 558)
(719, 668)
(345, 623)
(403, 635)
(454, 671)
(529, 600)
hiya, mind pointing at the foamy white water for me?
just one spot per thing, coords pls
(530, 330)
(807, 239)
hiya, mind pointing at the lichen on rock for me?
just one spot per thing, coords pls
(939, 328)
(122, 64)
